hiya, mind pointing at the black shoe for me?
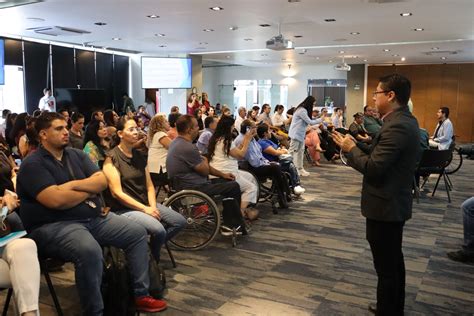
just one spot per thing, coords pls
(461, 256)
(373, 308)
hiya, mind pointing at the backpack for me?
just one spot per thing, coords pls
(117, 293)
(157, 279)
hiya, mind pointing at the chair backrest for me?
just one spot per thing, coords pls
(433, 158)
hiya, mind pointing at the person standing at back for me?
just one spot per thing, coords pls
(388, 170)
(47, 102)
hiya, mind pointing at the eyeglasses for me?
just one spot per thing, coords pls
(377, 92)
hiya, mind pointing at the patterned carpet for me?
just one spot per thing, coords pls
(313, 259)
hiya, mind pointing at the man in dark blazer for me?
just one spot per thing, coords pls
(388, 170)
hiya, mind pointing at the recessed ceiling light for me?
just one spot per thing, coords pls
(403, 58)
(386, 50)
(203, 43)
(365, 60)
(395, 55)
(264, 25)
(248, 39)
(160, 35)
(216, 8)
(419, 29)
(208, 30)
(298, 36)
(100, 23)
(355, 33)
(317, 57)
(162, 46)
(341, 52)
(434, 48)
(153, 16)
(330, 20)
(443, 58)
(227, 56)
(340, 40)
(264, 55)
(233, 28)
(406, 14)
(330, 61)
(116, 38)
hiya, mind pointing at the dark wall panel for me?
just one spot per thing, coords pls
(63, 67)
(37, 75)
(104, 76)
(120, 79)
(85, 69)
(13, 52)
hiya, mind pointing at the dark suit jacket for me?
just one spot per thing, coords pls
(389, 168)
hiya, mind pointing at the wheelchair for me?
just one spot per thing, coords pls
(203, 216)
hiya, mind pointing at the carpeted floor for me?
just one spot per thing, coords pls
(313, 259)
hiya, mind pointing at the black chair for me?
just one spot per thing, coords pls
(435, 162)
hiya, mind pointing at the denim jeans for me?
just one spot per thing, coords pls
(80, 242)
(289, 166)
(169, 225)
(468, 221)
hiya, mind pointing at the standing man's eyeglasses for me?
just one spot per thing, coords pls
(377, 92)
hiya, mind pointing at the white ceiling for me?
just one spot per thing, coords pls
(448, 25)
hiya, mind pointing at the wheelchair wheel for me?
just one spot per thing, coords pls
(343, 157)
(202, 216)
(455, 163)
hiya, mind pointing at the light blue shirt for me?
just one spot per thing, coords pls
(299, 123)
(254, 154)
(203, 140)
(445, 134)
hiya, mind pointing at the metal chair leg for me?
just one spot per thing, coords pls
(449, 182)
(7, 302)
(52, 292)
(173, 262)
(436, 186)
(447, 188)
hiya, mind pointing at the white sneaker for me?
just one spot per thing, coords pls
(298, 190)
(303, 173)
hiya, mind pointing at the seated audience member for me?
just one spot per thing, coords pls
(337, 119)
(357, 129)
(65, 113)
(29, 142)
(203, 140)
(211, 111)
(187, 169)
(19, 128)
(223, 156)
(61, 211)
(174, 109)
(76, 132)
(11, 118)
(272, 152)
(97, 116)
(371, 123)
(133, 191)
(158, 147)
(96, 142)
(443, 135)
(172, 132)
(198, 115)
(205, 101)
(3, 122)
(226, 110)
(251, 115)
(256, 108)
(261, 166)
(111, 118)
(265, 115)
(241, 112)
(218, 109)
(466, 254)
(279, 119)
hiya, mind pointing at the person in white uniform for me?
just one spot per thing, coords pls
(47, 102)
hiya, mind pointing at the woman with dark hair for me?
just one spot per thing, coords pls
(300, 121)
(11, 118)
(111, 118)
(29, 141)
(252, 115)
(96, 142)
(172, 132)
(198, 115)
(133, 191)
(205, 100)
(193, 104)
(19, 128)
(223, 155)
(279, 119)
(76, 132)
(211, 111)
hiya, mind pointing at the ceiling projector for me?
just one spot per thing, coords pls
(279, 43)
(342, 67)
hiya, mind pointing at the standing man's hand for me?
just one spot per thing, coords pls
(345, 142)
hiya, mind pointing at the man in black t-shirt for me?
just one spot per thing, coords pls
(58, 189)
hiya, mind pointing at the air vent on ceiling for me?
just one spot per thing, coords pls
(441, 52)
(58, 31)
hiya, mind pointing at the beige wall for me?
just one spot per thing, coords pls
(196, 74)
(354, 97)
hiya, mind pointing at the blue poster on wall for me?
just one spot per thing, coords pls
(2, 62)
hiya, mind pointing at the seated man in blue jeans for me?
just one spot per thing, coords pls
(62, 213)
(466, 253)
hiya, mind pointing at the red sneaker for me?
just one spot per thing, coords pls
(149, 304)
